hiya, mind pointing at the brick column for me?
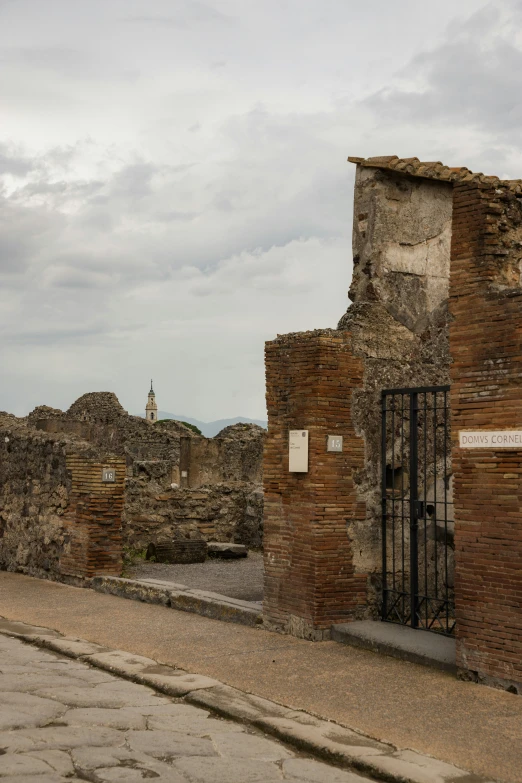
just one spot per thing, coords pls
(486, 394)
(310, 580)
(93, 519)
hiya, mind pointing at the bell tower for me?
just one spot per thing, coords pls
(151, 409)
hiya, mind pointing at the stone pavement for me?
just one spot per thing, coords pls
(410, 706)
(63, 720)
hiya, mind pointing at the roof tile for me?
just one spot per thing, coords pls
(429, 170)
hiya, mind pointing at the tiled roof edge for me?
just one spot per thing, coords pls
(433, 170)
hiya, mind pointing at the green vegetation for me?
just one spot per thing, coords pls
(190, 426)
(131, 557)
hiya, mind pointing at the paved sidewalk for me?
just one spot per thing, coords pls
(474, 727)
(61, 720)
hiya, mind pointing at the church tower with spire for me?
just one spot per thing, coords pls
(151, 409)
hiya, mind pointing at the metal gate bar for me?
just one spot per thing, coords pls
(417, 518)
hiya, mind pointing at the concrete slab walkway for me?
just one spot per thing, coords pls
(408, 705)
(408, 644)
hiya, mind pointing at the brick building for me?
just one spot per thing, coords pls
(401, 522)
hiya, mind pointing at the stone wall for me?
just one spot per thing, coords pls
(218, 496)
(234, 454)
(395, 334)
(168, 460)
(222, 512)
(486, 346)
(57, 519)
(99, 418)
(398, 322)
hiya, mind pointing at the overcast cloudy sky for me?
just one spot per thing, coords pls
(174, 188)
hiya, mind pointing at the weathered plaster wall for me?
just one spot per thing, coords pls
(398, 321)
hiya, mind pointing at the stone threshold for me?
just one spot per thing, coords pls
(178, 596)
(323, 739)
(399, 641)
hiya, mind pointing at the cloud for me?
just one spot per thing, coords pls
(472, 79)
(10, 163)
(173, 180)
(185, 13)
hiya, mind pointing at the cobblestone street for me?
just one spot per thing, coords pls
(61, 719)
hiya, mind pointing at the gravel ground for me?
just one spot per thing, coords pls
(242, 578)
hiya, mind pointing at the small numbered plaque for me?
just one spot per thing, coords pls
(335, 443)
(108, 475)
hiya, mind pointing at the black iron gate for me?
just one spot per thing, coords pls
(417, 509)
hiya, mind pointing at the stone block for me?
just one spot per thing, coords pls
(178, 551)
(226, 551)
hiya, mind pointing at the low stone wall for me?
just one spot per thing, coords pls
(223, 512)
(58, 520)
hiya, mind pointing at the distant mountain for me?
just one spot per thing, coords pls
(210, 428)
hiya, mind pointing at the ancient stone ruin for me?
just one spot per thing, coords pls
(395, 510)
(170, 483)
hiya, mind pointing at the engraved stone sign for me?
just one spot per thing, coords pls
(108, 475)
(298, 451)
(335, 443)
(491, 439)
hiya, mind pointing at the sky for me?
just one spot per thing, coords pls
(174, 189)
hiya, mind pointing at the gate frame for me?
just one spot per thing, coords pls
(413, 394)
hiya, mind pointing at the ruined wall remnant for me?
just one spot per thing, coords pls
(398, 322)
(227, 513)
(395, 334)
(99, 418)
(234, 454)
(168, 460)
(218, 496)
(57, 519)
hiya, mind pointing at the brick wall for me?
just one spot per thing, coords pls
(486, 376)
(93, 518)
(310, 579)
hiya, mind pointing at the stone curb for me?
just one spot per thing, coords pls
(324, 739)
(213, 605)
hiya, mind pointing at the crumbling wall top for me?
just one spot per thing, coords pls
(242, 431)
(97, 406)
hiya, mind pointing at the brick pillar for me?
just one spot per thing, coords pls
(486, 394)
(93, 518)
(310, 580)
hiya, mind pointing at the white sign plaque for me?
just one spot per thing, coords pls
(298, 451)
(335, 443)
(491, 439)
(108, 475)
